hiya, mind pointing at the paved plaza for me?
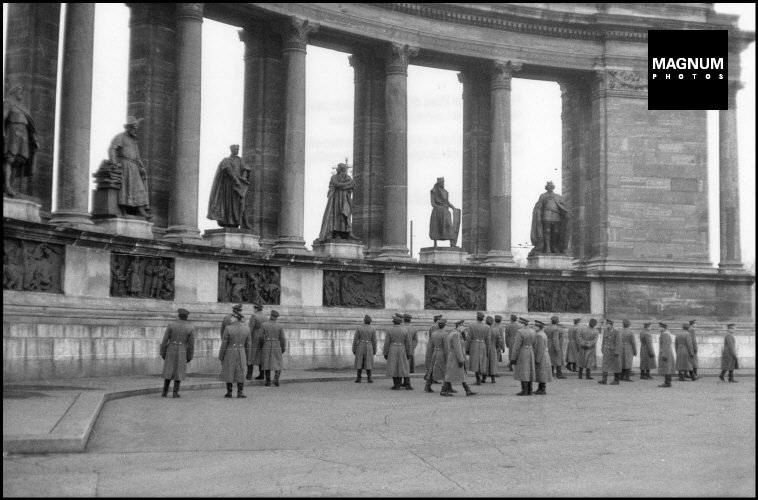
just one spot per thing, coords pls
(338, 438)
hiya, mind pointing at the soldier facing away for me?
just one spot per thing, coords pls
(542, 359)
(647, 352)
(413, 336)
(684, 353)
(455, 369)
(572, 352)
(693, 337)
(233, 354)
(666, 360)
(436, 354)
(477, 344)
(587, 340)
(729, 361)
(397, 352)
(364, 347)
(177, 349)
(628, 351)
(522, 356)
(256, 330)
(510, 333)
(273, 345)
(492, 349)
(553, 332)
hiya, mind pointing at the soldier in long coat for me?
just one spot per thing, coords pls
(477, 345)
(666, 359)
(572, 352)
(611, 349)
(684, 352)
(522, 355)
(542, 359)
(628, 352)
(230, 318)
(273, 345)
(428, 355)
(554, 333)
(693, 337)
(455, 369)
(364, 347)
(177, 349)
(647, 352)
(233, 354)
(492, 350)
(256, 330)
(413, 335)
(397, 352)
(500, 327)
(510, 334)
(436, 353)
(587, 341)
(729, 361)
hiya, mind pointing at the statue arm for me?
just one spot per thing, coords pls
(113, 150)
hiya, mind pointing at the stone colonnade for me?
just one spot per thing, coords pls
(164, 89)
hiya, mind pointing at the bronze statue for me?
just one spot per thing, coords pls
(226, 204)
(124, 154)
(550, 216)
(337, 223)
(19, 141)
(441, 225)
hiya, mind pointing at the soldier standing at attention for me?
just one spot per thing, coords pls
(233, 354)
(684, 352)
(666, 360)
(455, 369)
(522, 355)
(629, 351)
(364, 347)
(436, 354)
(413, 336)
(572, 353)
(729, 355)
(542, 359)
(256, 325)
(428, 356)
(647, 352)
(177, 349)
(587, 340)
(273, 345)
(477, 344)
(230, 318)
(397, 352)
(693, 337)
(611, 349)
(492, 350)
(510, 334)
(553, 332)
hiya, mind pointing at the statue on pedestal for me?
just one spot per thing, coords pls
(550, 216)
(19, 141)
(441, 225)
(226, 204)
(124, 158)
(337, 222)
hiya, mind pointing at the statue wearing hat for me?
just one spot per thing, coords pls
(226, 204)
(441, 225)
(550, 216)
(337, 221)
(124, 157)
(19, 141)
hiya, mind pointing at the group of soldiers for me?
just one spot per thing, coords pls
(535, 351)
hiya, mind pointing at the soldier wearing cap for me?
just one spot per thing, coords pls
(572, 352)
(427, 357)
(492, 350)
(522, 355)
(510, 333)
(542, 359)
(587, 340)
(413, 336)
(364, 348)
(729, 361)
(477, 345)
(501, 333)
(436, 355)
(666, 360)
(234, 353)
(684, 352)
(455, 369)
(693, 337)
(397, 352)
(554, 334)
(230, 318)
(647, 352)
(628, 351)
(273, 345)
(256, 330)
(611, 349)
(177, 349)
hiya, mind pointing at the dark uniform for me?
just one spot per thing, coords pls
(611, 349)
(436, 356)
(177, 349)
(647, 353)
(364, 348)
(510, 334)
(233, 354)
(542, 360)
(693, 337)
(684, 353)
(628, 352)
(587, 340)
(255, 324)
(492, 350)
(477, 345)
(413, 336)
(522, 355)
(397, 351)
(572, 352)
(273, 345)
(554, 334)
(666, 359)
(455, 369)
(729, 361)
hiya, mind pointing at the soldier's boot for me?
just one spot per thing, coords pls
(249, 374)
(552, 370)
(589, 377)
(731, 377)
(721, 376)
(407, 384)
(681, 376)
(643, 375)
(260, 373)
(268, 378)
(616, 378)
(167, 382)
(446, 389)
(484, 377)
(649, 377)
(580, 373)
(451, 389)
(693, 376)
(176, 388)
(604, 380)
(358, 379)
(560, 372)
(478, 380)
(412, 363)
(428, 385)
(469, 392)
(368, 374)
(492, 377)
(541, 389)
(276, 377)
(228, 390)
(694, 370)
(396, 383)
(667, 381)
(529, 389)
(240, 386)
(523, 390)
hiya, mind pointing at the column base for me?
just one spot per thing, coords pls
(500, 258)
(123, 226)
(76, 220)
(234, 238)
(184, 234)
(21, 209)
(549, 261)
(338, 250)
(731, 267)
(663, 266)
(443, 255)
(398, 253)
(291, 245)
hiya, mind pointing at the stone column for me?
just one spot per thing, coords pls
(31, 60)
(182, 208)
(396, 154)
(292, 189)
(729, 185)
(72, 197)
(500, 165)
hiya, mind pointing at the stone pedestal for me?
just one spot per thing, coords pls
(338, 250)
(502, 258)
(17, 208)
(394, 253)
(238, 239)
(122, 226)
(549, 262)
(443, 255)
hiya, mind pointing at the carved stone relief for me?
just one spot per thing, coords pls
(32, 266)
(559, 296)
(248, 284)
(142, 277)
(455, 293)
(349, 289)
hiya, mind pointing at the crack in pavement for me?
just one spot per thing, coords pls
(439, 471)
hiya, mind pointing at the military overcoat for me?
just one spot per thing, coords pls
(611, 348)
(273, 345)
(429, 350)
(587, 340)
(542, 360)
(572, 352)
(666, 359)
(492, 350)
(438, 352)
(234, 351)
(684, 351)
(177, 349)
(456, 354)
(554, 334)
(647, 351)
(729, 354)
(364, 347)
(523, 354)
(397, 348)
(629, 348)
(256, 330)
(477, 345)
(693, 337)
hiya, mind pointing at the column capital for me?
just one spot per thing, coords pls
(502, 72)
(190, 11)
(734, 87)
(398, 57)
(296, 32)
